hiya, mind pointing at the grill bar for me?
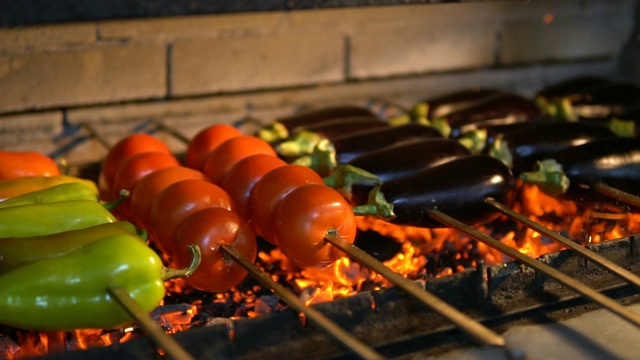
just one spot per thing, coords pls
(330, 328)
(588, 292)
(581, 250)
(618, 194)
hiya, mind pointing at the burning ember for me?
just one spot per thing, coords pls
(416, 253)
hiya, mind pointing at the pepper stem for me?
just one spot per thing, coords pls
(377, 206)
(196, 257)
(345, 176)
(110, 205)
(548, 176)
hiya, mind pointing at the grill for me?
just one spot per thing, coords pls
(479, 311)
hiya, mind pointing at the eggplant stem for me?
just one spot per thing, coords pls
(622, 128)
(345, 176)
(500, 150)
(302, 143)
(196, 257)
(322, 160)
(548, 176)
(377, 206)
(273, 132)
(474, 140)
(110, 205)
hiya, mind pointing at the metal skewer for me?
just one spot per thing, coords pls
(617, 194)
(164, 341)
(581, 288)
(476, 330)
(581, 250)
(161, 126)
(330, 328)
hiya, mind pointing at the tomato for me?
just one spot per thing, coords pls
(127, 147)
(305, 217)
(151, 185)
(207, 140)
(227, 154)
(179, 200)
(243, 176)
(18, 164)
(270, 190)
(209, 228)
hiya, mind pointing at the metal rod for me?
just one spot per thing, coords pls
(581, 250)
(95, 135)
(476, 330)
(161, 126)
(329, 327)
(617, 194)
(171, 347)
(581, 288)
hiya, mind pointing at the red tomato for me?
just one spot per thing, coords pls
(244, 175)
(305, 217)
(177, 202)
(133, 169)
(127, 147)
(207, 140)
(270, 190)
(209, 228)
(151, 185)
(230, 152)
(18, 164)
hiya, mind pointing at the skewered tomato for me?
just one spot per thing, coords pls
(207, 140)
(230, 152)
(177, 202)
(151, 185)
(19, 164)
(305, 217)
(127, 147)
(243, 176)
(270, 190)
(209, 228)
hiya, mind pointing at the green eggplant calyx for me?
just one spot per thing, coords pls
(273, 132)
(622, 128)
(546, 107)
(322, 160)
(442, 125)
(110, 205)
(548, 176)
(377, 206)
(302, 143)
(196, 257)
(419, 111)
(399, 120)
(345, 176)
(500, 150)
(474, 140)
(565, 110)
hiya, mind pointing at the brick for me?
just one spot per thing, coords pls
(33, 132)
(428, 48)
(71, 78)
(564, 39)
(216, 65)
(53, 37)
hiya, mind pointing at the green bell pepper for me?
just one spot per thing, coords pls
(63, 192)
(16, 252)
(72, 291)
(44, 219)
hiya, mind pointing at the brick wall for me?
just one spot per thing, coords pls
(188, 72)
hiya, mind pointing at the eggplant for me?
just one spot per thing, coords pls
(505, 108)
(458, 188)
(443, 105)
(280, 128)
(574, 171)
(305, 138)
(523, 146)
(572, 86)
(408, 158)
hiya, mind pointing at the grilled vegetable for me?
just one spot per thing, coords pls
(575, 170)
(458, 188)
(281, 129)
(521, 149)
(17, 187)
(17, 252)
(71, 291)
(20, 164)
(62, 192)
(43, 219)
(304, 140)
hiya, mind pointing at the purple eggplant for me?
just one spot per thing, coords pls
(523, 146)
(281, 128)
(458, 188)
(573, 172)
(443, 105)
(572, 87)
